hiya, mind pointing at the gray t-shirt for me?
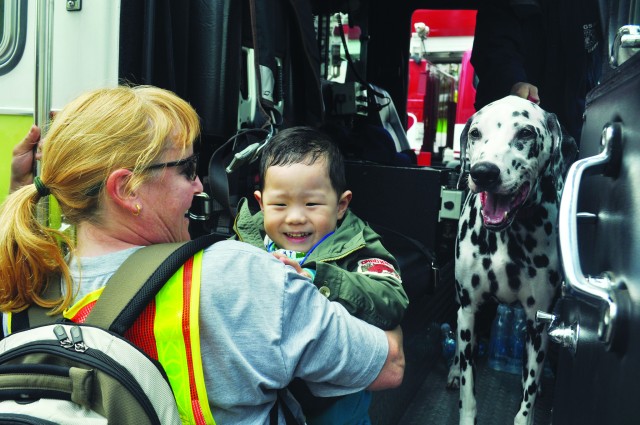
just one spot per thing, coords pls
(261, 325)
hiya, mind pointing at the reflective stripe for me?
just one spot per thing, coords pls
(80, 310)
(196, 354)
(168, 330)
(175, 315)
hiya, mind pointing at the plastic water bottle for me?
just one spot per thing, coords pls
(518, 336)
(448, 343)
(499, 344)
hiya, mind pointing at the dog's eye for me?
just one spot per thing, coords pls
(475, 133)
(525, 133)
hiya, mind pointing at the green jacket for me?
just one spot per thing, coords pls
(352, 267)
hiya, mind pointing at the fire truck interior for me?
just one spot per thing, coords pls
(392, 82)
(354, 67)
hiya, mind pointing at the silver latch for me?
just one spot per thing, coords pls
(74, 5)
(566, 336)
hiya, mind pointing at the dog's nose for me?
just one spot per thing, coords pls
(485, 175)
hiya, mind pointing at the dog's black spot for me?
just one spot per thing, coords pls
(534, 151)
(515, 251)
(473, 215)
(548, 228)
(465, 300)
(493, 285)
(530, 242)
(532, 272)
(486, 263)
(532, 388)
(537, 342)
(515, 114)
(541, 261)
(547, 189)
(532, 373)
(525, 114)
(475, 281)
(530, 301)
(486, 242)
(554, 278)
(465, 335)
(463, 381)
(517, 143)
(513, 275)
(463, 230)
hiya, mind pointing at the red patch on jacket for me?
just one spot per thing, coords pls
(377, 266)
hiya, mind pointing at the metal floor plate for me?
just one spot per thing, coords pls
(498, 397)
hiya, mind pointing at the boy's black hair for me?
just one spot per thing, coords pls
(304, 145)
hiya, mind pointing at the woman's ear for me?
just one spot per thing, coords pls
(258, 195)
(343, 203)
(117, 189)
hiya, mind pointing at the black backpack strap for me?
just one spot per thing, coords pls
(138, 281)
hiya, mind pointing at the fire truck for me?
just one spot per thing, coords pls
(392, 79)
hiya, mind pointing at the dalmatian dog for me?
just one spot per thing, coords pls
(516, 157)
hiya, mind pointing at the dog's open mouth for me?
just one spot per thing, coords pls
(498, 211)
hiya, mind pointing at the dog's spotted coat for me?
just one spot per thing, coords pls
(506, 246)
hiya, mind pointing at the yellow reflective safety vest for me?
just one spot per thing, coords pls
(168, 331)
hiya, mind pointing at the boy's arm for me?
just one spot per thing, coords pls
(367, 283)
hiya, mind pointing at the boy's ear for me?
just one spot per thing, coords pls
(343, 203)
(258, 195)
(117, 188)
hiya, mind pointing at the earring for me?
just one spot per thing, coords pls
(138, 208)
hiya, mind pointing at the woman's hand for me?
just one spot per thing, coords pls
(22, 160)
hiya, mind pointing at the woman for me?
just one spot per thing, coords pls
(120, 163)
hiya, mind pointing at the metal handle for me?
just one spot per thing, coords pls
(625, 45)
(594, 289)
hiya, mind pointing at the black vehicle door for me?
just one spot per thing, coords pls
(598, 317)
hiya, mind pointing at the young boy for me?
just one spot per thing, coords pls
(305, 221)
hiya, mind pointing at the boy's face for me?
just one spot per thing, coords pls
(299, 204)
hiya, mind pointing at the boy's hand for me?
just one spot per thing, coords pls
(293, 263)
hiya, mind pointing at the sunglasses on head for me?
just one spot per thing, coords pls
(189, 166)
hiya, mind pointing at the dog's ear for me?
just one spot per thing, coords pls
(464, 161)
(553, 125)
(564, 151)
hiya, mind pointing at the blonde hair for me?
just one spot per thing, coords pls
(97, 133)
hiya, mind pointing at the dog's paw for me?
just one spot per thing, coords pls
(467, 418)
(521, 419)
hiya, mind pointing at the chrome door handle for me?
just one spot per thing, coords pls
(596, 290)
(625, 45)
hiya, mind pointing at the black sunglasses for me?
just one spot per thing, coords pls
(189, 166)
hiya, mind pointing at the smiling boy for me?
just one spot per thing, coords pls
(305, 221)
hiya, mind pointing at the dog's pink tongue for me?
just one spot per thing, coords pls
(494, 207)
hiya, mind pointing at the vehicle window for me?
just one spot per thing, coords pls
(441, 90)
(13, 33)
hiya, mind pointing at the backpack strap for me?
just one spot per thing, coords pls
(139, 279)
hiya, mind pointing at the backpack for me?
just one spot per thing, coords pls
(85, 374)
